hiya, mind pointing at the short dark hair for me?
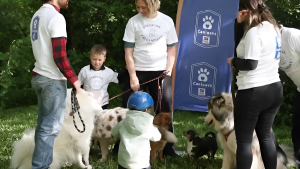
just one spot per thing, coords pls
(98, 49)
(45, 1)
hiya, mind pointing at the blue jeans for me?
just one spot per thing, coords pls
(51, 95)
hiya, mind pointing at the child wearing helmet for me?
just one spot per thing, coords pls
(136, 131)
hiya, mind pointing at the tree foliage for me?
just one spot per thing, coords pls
(91, 22)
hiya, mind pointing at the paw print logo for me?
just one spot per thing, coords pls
(203, 75)
(152, 32)
(207, 22)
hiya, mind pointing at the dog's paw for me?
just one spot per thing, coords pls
(102, 159)
(89, 167)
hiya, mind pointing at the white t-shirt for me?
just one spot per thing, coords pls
(93, 80)
(46, 23)
(261, 43)
(290, 54)
(151, 37)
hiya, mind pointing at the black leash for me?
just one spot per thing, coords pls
(75, 109)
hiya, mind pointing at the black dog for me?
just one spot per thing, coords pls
(197, 147)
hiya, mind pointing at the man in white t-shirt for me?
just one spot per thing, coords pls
(51, 70)
(290, 64)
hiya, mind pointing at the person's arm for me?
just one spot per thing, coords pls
(62, 62)
(129, 43)
(155, 134)
(171, 52)
(57, 29)
(134, 81)
(115, 131)
(244, 64)
(171, 40)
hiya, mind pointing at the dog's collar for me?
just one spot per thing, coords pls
(227, 135)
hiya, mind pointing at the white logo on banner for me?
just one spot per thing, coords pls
(207, 29)
(203, 75)
(208, 21)
(202, 80)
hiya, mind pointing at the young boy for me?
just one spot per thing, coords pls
(135, 132)
(96, 76)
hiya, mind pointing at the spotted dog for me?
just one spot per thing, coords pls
(104, 122)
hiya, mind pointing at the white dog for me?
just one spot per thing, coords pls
(221, 116)
(70, 145)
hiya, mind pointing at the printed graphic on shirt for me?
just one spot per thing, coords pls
(95, 83)
(278, 47)
(202, 80)
(285, 62)
(151, 33)
(207, 29)
(35, 28)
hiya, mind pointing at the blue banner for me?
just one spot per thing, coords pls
(206, 40)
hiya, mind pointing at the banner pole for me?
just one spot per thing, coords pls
(178, 16)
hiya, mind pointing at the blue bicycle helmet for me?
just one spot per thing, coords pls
(140, 101)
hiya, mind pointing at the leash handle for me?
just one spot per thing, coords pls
(75, 109)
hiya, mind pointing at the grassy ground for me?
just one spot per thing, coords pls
(14, 121)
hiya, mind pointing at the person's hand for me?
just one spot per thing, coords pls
(242, 15)
(229, 61)
(167, 73)
(134, 83)
(77, 86)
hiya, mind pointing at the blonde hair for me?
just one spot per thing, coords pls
(153, 5)
(98, 49)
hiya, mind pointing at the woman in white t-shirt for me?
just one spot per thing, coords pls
(150, 38)
(259, 93)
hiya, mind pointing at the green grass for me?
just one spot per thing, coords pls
(14, 121)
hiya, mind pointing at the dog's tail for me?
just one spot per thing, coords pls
(167, 135)
(210, 133)
(286, 155)
(23, 150)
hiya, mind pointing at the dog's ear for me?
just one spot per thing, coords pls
(221, 106)
(156, 120)
(167, 118)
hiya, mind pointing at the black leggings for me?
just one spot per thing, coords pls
(296, 124)
(255, 109)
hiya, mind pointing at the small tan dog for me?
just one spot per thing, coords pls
(161, 121)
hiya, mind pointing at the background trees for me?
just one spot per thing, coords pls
(92, 22)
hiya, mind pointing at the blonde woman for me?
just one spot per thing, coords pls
(259, 93)
(150, 38)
